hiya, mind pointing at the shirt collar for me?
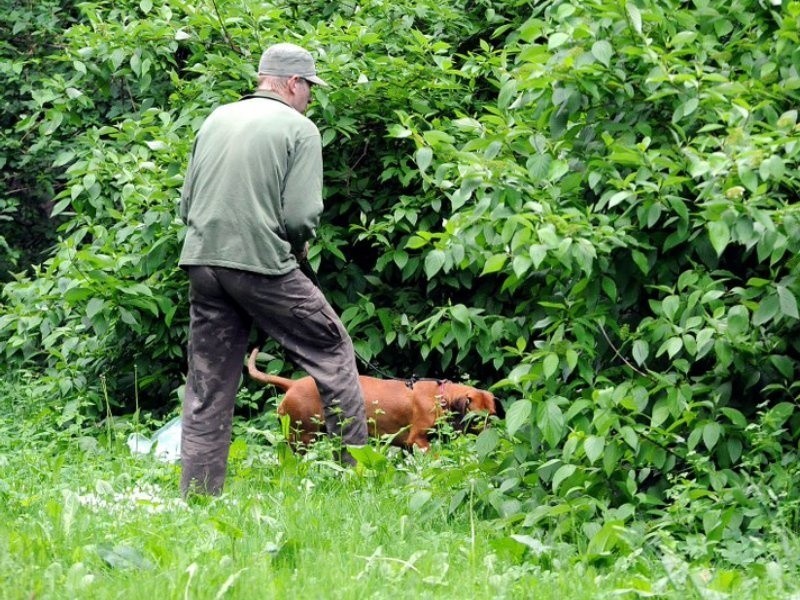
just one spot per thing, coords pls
(267, 94)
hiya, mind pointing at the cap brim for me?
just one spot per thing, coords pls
(316, 80)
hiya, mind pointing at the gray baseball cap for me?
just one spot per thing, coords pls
(285, 60)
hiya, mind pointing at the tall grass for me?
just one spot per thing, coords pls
(80, 517)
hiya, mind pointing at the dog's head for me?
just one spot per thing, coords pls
(470, 409)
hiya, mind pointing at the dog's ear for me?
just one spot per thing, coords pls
(492, 404)
(458, 408)
(484, 400)
(460, 405)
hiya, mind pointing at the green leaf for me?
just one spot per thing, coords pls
(127, 317)
(507, 93)
(660, 413)
(571, 357)
(640, 351)
(694, 438)
(711, 434)
(611, 455)
(619, 197)
(53, 122)
(538, 253)
(94, 306)
(683, 38)
(610, 288)
(434, 261)
(630, 437)
(460, 313)
(641, 261)
(398, 131)
(424, 158)
(783, 364)
(670, 306)
(550, 420)
(494, 264)
(400, 258)
(367, 456)
(416, 242)
(557, 39)
(123, 557)
(767, 309)
(772, 168)
(534, 544)
(635, 17)
(328, 136)
(734, 416)
(60, 206)
(539, 166)
(518, 415)
(787, 120)
(550, 365)
(672, 346)
(720, 235)
(603, 52)
(419, 499)
(689, 106)
(738, 321)
(137, 289)
(487, 441)
(521, 264)
(606, 538)
(63, 158)
(734, 447)
(749, 179)
(779, 413)
(227, 528)
(594, 446)
(788, 302)
(563, 472)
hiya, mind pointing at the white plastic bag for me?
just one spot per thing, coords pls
(166, 441)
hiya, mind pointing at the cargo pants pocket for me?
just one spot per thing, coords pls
(318, 321)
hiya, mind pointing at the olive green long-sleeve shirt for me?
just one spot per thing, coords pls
(252, 196)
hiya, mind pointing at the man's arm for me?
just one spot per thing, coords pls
(302, 192)
(186, 192)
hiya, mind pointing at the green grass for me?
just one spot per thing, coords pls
(80, 517)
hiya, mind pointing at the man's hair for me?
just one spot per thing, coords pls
(273, 83)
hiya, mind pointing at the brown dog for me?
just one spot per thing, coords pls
(404, 410)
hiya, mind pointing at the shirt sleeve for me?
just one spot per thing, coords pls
(186, 192)
(302, 191)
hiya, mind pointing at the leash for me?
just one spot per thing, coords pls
(409, 381)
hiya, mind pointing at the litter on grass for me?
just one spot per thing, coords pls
(165, 444)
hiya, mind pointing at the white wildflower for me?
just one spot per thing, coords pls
(144, 497)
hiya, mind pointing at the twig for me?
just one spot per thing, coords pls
(622, 358)
(224, 30)
(130, 94)
(363, 154)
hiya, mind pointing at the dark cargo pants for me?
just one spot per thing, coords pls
(224, 303)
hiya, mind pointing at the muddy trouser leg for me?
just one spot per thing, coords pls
(218, 334)
(294, 312)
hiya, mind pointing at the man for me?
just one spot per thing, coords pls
(251, 200)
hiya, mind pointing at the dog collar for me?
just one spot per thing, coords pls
(440, 395)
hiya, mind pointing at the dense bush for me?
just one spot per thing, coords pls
(589, 205)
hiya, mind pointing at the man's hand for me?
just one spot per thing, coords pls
(303, 254)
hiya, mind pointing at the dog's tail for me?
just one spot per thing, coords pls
(266, 378)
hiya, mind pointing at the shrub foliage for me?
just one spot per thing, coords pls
(588, 205)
